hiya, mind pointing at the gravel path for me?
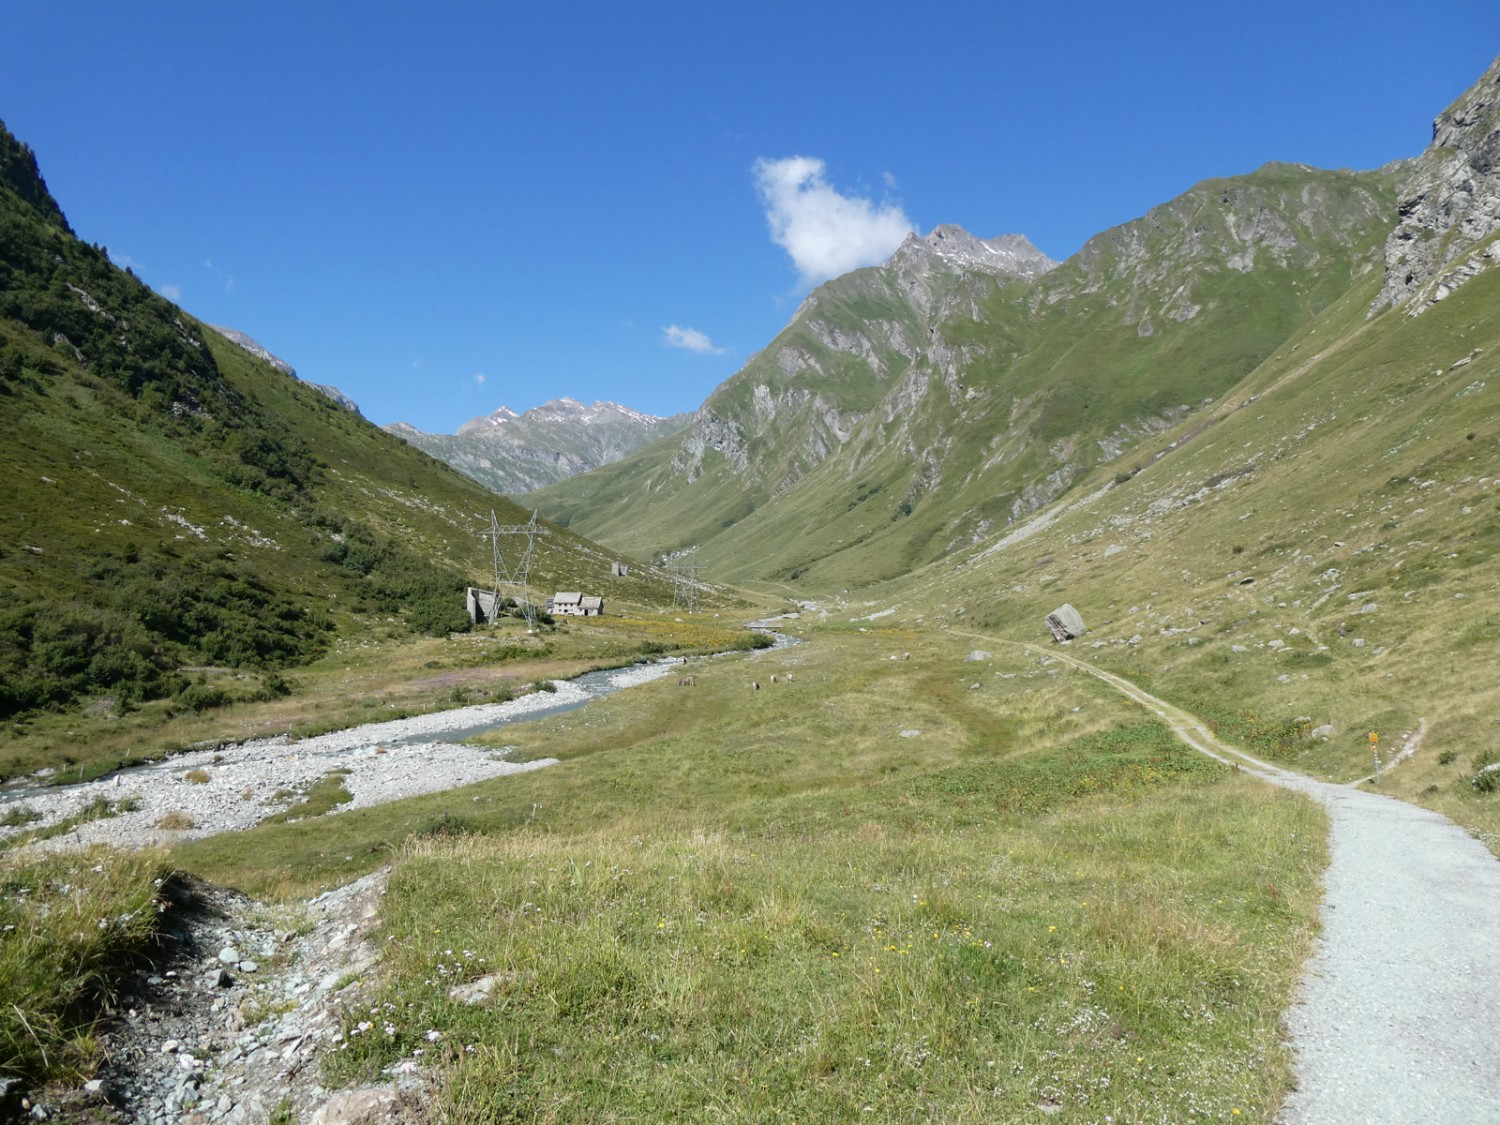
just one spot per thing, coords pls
(1398, 1015)
(248, 781)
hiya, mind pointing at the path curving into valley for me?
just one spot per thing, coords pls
(1397, 1019)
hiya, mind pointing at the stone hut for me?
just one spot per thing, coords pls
(483, 605)
(575, 604)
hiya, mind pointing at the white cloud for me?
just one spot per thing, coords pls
(479, 377)
(172, 293)
(675, 336)
(208, 264)
(826, 233)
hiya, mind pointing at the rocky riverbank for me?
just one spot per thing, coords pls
(232, 787)
(228, 1022)
(227, 1026)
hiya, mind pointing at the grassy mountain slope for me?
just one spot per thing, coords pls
(174, 501)
(1310, 560)
(912, 409)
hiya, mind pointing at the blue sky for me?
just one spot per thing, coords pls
(446, 208)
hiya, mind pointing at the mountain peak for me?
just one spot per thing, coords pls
(1009, 255)
(489, 421)
(512, 452)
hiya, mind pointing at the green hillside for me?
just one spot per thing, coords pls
(1316, 551)
(173, 502)
(912, 409)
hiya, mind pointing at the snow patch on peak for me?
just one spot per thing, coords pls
(489, 421)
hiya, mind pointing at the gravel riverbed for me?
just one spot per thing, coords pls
(248, 781)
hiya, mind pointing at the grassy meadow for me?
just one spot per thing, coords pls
(885, 888)
(1298, 559)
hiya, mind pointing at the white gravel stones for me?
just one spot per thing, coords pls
(1400, 1004)
(264, 767)
(386, 761)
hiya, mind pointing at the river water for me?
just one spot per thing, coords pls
(235, 786)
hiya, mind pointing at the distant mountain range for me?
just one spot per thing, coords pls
(516, 453)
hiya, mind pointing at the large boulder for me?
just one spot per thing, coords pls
(1065, 623)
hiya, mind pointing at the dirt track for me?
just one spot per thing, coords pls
(1398, 1012)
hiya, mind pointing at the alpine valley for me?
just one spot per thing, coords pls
(1255, 428)
(930, 856)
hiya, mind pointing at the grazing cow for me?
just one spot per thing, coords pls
(906, 656)
(789, 677)
(773, 677)
(754, 685)
(686, 681)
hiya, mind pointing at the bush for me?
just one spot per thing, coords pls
(272, 686)
(1487, 780)
(200, 697)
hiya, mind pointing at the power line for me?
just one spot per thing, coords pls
(685, 582)
(515, 576)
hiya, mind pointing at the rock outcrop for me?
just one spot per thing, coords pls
(1450, 204)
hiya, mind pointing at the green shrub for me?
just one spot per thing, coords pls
(200, 697)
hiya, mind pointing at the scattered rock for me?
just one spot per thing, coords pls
(980, 654)
(368, 1105)
(182, 1049)
(476, 991)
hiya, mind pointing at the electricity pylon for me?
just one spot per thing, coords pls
(515, 577)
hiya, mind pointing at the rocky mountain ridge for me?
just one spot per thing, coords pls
(259, 351)
(515, 453)
(1450, 204)
(939, 397)
(1010, 255)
